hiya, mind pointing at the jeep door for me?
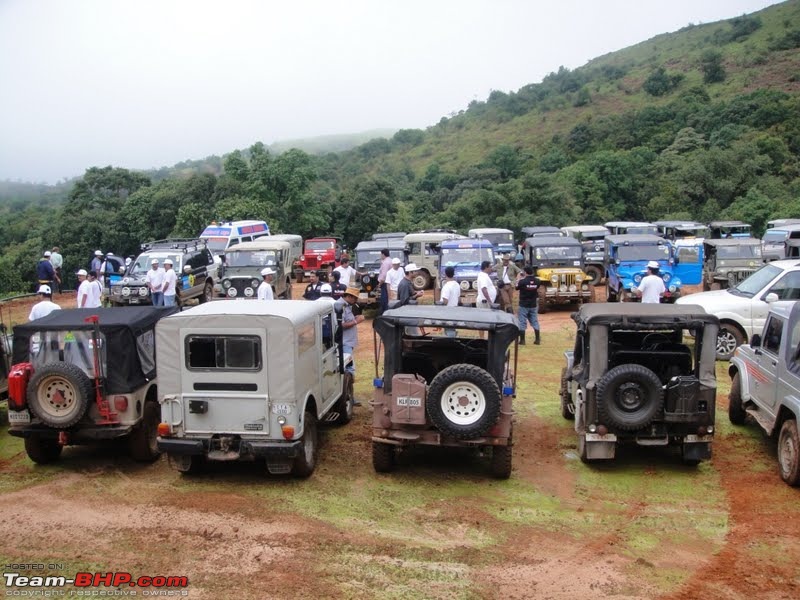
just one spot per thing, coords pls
(330, 378)
(765, 364)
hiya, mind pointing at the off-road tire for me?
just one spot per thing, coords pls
(500, 465)
(463, 401)
(67, 380)
(582, 453)
(629, 397)
(142, 442)
(384, 459)
(728, 339)
(186, 464)
(421, 281)
(595, 273)
(42, 451)
(736, 411)
(565, 397)
(345, 405)
(287, 295)
(541, 301)
(306, 461)
(789, 452)
(208, 293)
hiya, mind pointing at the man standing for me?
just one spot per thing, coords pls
(83, 288)
(312, 289)
(45, 273)
(155, 281)
(528, 287)
(451, 291)
(349, 322)
(405, 290)
(170, 283)
(487, 292)
(386, 264)
(57, 261)
(97, 261)
(507, 275)
(45, 307)
(265, 289)
(89, 292)
(347, 274)
(652, 286)
(393, 278)
(338, 288)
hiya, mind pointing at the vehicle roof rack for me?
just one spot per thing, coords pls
(175, 244)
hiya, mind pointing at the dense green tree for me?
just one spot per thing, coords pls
(365, 207)
(711, 66)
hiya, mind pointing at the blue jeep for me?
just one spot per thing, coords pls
(626, 261)
(465, 256)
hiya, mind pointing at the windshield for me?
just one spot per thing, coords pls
(643, 252)
(498, 238)
(319, 245)
(452, 257)
(775, 236)
(216, 244)
(251, 258)
(756, 282)
(373, 258)
(142, 264)
(744, 251)
(558, 253)
(678, 233)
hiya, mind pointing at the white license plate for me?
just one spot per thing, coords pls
(134, 301)
(409, 401)
(281, 409)
(19, 417)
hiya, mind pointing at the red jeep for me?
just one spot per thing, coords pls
(320, 253)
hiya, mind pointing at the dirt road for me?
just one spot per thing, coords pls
(644, 526)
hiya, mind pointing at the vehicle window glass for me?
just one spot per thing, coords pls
(788, 286)
(415, 248)
(306, 337)
(327, 331)
(689, 254)
(247, 238)
(758, 280)
(772, 335)
(223, 352)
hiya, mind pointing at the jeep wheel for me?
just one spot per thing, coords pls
(208, 293)
(59, 394)
(595, 274)
(421, 281)
(185, 463)
(287, 295)
(566, 400)
(463, 401)
(500, 466)
(541, 301)
(629, 397)
(346, 403)
(384, 459)
(728, 339)
(736, 412)
(142, 443)
(306, 461)
(582, 454)
(611, 296)
(789, 452)
(42, 451)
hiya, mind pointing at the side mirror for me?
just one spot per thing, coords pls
(771, 297)
(755, 341)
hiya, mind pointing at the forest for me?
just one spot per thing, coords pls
(698, 124)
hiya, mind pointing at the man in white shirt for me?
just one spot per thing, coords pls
(348, 273)
(265, 289)
(393, 278)
(89, 292)
(450, 295)
(155, 281)
(45, 307)
(487, 292)
(170, 283)
(652, 286)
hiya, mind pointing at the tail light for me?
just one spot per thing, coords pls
(18, 385)
(121, 403)
(164, 430)
(287, 431)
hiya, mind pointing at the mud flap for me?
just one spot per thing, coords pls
(696, 450)
(600, 446)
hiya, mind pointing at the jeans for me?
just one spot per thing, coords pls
(351, 368)
(169, 300)
(384, 297)
(528, 314)
(158, 298)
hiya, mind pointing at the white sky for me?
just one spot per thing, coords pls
(148, 83)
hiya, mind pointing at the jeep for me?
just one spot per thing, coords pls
(558, 262)
(631, 378)
(465, 256)
(626, 261)
(718, 230)
(368, 263)
(631, 228)
(775, 242)
(501, 239)
(592, 239)
(765, 385)
(454, 389)
(251, 380)
(687, 238)
(728, 262)
(319, 254)
(84, 375)
(193, 264)
(240, 272)
(422, 249)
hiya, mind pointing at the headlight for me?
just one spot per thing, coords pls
(673, 288)
(598, 248)
(226, 284)
(248, 292)
(666, 277)
(553, 278)
(231, 292)
(579, 277)
(637, 278)
(126, 291)
(366, 279)
(143, 291)
(465, 285)
(573, 288)
(563, 287)
(585, 287)
(254, 282)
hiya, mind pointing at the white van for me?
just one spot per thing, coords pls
(219, 236)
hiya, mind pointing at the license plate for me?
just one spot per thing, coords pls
(19, 417)
(281, 409)
(134, 301)
(409, 401)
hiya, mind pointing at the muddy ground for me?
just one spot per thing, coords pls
(644, 526)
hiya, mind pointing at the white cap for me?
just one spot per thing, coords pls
(168, 262)
(44, 289)
(411, 267)
(109, 254)
(154, 261)
(653, 265)
(395, 261)
(98, 253)
(82, 272)
(47, 252)
(267, 271)
(325, 288)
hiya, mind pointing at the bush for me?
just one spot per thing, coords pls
(711, 65)
(660, 83)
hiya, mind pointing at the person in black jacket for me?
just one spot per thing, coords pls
(405, 290)
(313, 289)
(528, 287)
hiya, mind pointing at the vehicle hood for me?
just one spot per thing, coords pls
(716, 301)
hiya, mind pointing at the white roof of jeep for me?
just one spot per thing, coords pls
(263, 243)
(296, 311)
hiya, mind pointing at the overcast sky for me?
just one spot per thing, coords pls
(148, 83)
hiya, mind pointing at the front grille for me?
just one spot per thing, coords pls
(736, 277)
(312, 262)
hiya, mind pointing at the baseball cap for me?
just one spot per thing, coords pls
(98, 253)
(168, 262)
(411, 267)
(395, 261)
(47, 252)
(325, 288)
(653, 265)
(82, 272)
(44, 289)
(154, 261)
(267, 271)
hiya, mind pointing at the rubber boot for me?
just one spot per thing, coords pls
(537, 341)
(521, 338)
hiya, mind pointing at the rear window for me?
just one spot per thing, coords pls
(223, 352)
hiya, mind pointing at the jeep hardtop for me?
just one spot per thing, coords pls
(240, 272)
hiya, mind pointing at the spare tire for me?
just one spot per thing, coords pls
(629, 397)
(59, 394)
(463, 401)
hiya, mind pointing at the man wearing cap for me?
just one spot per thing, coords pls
(405, 291)
(347, 274)
(155, 281)
(507, 274)
(265, 289)
(97, 261)
(89, 291)
(170, 284)
(58, 262)
(349, 322)
(393, 278)
(46, 306)
(45, 273)
(652, 286)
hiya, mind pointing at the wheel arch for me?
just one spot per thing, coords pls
(785, 413)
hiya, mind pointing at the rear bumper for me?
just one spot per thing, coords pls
(247, 448)
(74, 436)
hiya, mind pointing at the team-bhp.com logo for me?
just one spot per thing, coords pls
(157, 585)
